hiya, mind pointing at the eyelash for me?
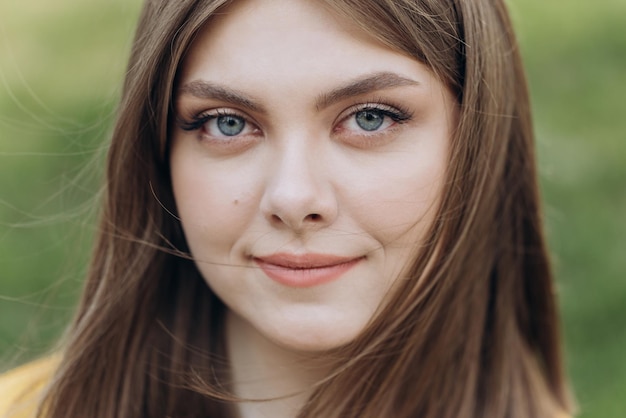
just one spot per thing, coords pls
(198, 121)
(396, 113)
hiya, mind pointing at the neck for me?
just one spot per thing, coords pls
(276, 381)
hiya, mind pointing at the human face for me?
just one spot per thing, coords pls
(307, 163)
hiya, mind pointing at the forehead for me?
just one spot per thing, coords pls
(285, 41)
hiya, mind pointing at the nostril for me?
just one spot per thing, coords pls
(314, 217)
(311, 218)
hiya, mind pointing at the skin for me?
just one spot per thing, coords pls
(302, 177)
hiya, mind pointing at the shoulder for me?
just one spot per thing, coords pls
(20, 388)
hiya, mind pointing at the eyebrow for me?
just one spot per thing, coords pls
(362, 85)
(206, 90)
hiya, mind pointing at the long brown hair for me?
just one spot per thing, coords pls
(474, 333)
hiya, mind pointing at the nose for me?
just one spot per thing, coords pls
(299, 193)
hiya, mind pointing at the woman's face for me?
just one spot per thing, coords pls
(307, 163)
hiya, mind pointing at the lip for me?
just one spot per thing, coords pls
(305, 270)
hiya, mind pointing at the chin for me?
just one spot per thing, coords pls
(315, 336)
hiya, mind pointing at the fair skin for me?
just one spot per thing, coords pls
(307, 162)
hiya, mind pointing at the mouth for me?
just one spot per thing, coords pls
(305, 270)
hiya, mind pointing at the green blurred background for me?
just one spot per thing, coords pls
(61, 66)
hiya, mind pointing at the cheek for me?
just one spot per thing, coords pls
(399, 202)
(399, 218)
(214, 208)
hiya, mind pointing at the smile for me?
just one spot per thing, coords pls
(306, 270)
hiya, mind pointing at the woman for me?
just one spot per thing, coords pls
(317, 209)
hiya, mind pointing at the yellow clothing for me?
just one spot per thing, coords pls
(20, 388)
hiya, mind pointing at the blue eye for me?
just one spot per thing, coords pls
(373, 118)
(219, 123)
(230, 125)
(369, 119)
